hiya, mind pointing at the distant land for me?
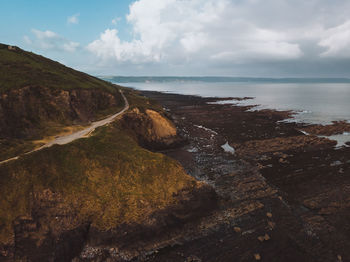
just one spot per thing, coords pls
(164, 79)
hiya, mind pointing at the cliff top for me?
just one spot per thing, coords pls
(19, 68)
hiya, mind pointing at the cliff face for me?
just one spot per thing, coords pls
(88, 198)
(38, 94)
(92, 197)
(27, 111)
(151, 129)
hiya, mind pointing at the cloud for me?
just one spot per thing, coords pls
(116, 20)
(167, 30)
(49, 40)
(74, 19)
(228, 34)
(337, 41)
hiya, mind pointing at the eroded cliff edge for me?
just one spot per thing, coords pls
(40, 97)
(99, 197)
(103, 196)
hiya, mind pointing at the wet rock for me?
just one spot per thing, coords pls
(237, 229)
(258, 147)
(193, 259)
(261, 238)
(336, 163)
(337, 127)
(271, 224)
(257, 256)
(254, 136)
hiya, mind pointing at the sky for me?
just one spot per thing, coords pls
(252, 38)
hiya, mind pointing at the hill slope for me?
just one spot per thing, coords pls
(38, 97)
(94, 193)
(19, 68)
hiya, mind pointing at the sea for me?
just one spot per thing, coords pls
(313, 100)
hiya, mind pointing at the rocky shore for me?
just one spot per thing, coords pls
(266, 189)
(283, 193)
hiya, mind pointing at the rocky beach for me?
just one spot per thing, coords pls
(175, 131)
(283, 193)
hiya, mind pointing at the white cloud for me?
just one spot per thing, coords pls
(174, 30)
(74, 19)
(227, 35)
(49, 40)
(337, 41)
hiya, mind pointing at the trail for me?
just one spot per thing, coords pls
(65, 139)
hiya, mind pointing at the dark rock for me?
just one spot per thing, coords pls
(25, 111)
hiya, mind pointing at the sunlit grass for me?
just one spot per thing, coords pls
(107, 179)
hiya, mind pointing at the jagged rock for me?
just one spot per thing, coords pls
(24, 112)
(237, 229)
(193, 259)
(257, 256)
(258, 147)
(152, 129)
(261, 238)
(337, 127)
(271, 224)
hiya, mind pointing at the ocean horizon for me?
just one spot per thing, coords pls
(162, 79)
(313, 100)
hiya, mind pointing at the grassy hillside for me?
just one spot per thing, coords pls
(104, 183)
(40, 97)
(19, 68)
(105, 180)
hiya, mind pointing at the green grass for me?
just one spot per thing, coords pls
(107, 179)
(19, 68)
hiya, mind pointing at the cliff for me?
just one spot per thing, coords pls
(30, 112)
(151, 129)
(86, 199)
(38, 97)
(92, 195)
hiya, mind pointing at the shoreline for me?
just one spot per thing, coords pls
(280, 184)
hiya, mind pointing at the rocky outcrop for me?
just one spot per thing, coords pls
(297, 143)
(26, 112)
(52, 232)
(299, 200)
(337, 127)
(129, 241)
(99, 198)
(151, 129)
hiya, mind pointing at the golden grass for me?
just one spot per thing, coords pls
(106, 179)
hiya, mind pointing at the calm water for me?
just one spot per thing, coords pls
(312, 102)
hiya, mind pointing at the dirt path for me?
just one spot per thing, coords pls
(65, 139)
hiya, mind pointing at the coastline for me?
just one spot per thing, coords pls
(282, 194)
(266, 189)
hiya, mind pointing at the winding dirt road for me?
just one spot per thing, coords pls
(65, 139)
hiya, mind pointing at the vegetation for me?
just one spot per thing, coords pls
(19, 68)
(40, 97)
(137, 100)
(107, 178)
